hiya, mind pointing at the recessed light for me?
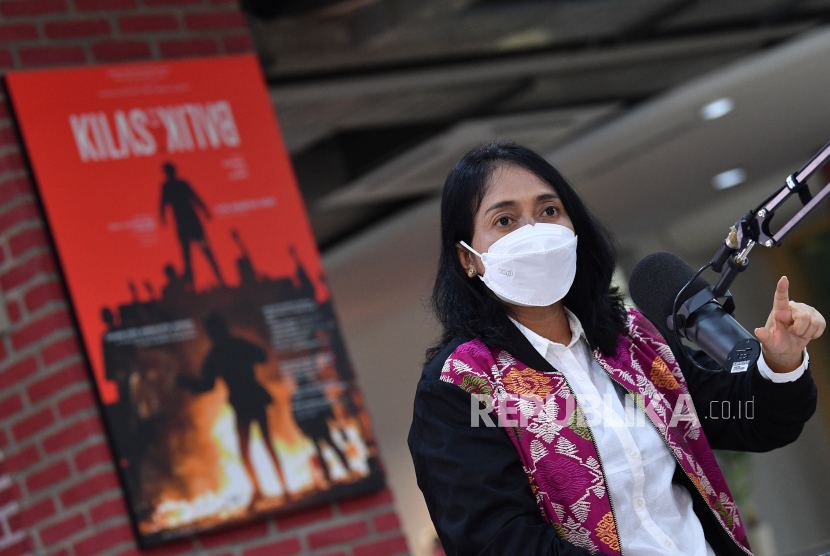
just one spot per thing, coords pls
(730, 178)
(717, 109)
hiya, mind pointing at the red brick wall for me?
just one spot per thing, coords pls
(59, 494)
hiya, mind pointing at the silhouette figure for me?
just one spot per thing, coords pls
(133, 291)
(312, 411)
(302, 279)
(247, 274)
(119, 367)
(233, 359)
(184, 202)
(151, 291)
(176, 285)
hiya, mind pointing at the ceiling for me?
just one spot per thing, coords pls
(377, 98)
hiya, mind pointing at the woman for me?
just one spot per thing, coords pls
(536, 340)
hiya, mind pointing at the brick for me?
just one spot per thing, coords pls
(41, 328)
(10, 406)
(242, 534)
(171, 2)
(77, 432)
(365, 502)
(73, 403)
(17, 214)
(77, 29)
(51, 55)
(96, 5)
(214, 20)
(387, 547)
(386, 522)
(4, 440)
(107, 509)
(22, 459)
(51, 475)
(26, 240)
(33, 424)
(187, 47)
(112, 51)
(33, 514)
(93, 455)
(5, 110)
(57, 381)
(12, 162)
(14, 187)
(337, 535)
(14, 312)
(16, 8)
(17, 372)
(60, 350)
(73, 434)
(27, 270)
(304, 517)
(147, 23)
(10, 494)
(104, 540)
(280, 548)
(42, 294)
(88, 488)
(3, 352)
(62, 529)
(16, 32)
(238, 43)
(17, 549)
(8, 137)
(6, 60)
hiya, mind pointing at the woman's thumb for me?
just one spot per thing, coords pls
(762, 334)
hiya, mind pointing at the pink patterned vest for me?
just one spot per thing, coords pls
(558, 453)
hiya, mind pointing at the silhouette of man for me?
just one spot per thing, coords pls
(233, 359)
(184, 202)
(312, 411)
(175, 286)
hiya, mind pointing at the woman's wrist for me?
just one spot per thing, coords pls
(783, 362)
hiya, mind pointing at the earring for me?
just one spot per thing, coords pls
(472, 272)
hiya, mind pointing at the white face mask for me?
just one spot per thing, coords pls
(533, 266)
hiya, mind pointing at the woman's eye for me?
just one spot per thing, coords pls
(550, 211)
(504, 221)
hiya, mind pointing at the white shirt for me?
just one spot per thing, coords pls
(654, 516)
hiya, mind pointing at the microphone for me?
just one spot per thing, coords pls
(654, 284)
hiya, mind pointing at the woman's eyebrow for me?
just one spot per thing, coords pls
(501, 204)
(546, 196)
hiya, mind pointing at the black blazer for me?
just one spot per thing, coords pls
(479, 497)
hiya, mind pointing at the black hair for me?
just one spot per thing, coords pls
(467, 308)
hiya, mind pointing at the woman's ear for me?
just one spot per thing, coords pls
(467, 260)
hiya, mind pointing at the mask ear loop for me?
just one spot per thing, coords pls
(470, 248)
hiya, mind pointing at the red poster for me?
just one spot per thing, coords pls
(198, 288)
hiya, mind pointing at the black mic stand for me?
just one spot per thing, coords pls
(732, 258)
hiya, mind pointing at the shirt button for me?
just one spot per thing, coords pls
(640, 502)
(581, 377)
(634, 454)
(667, 543)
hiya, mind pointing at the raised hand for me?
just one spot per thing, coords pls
(789, 329)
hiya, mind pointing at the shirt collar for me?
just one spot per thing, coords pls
(542, 345)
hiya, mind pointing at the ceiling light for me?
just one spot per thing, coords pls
(730, 178)
(717, 109)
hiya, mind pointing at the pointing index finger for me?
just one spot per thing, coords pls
(781, 301)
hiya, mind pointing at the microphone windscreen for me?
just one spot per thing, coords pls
(654, 284)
